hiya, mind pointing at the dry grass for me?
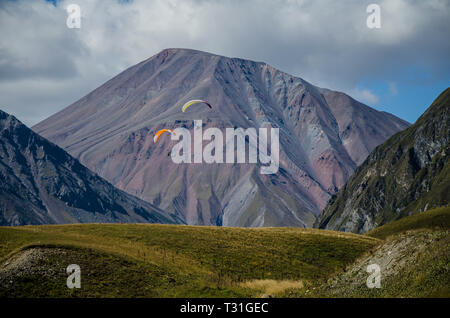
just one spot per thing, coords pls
(271, 286)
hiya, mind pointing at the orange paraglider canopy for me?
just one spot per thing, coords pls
(159, 133)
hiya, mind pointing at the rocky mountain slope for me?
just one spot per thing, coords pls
(41, 184)
(324, 136)
(408, 173)
(413, 257)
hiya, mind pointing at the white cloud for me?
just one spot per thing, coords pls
(324, 42)
(365, 96)
(393, 88)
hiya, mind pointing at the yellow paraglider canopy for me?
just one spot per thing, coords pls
(195, 101)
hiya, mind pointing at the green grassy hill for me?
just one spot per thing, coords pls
(437, 219)
(123, 260)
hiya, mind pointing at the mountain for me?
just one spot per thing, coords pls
(42, 184)
(408, 173)
(324, 136)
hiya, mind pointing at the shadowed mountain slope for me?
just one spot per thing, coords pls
(41, 184)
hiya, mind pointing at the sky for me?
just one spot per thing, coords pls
(400, 67)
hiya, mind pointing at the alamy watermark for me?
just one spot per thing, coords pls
(374, 19)
(374, 279)
(74, 16)
(74, 279)
(213, 152)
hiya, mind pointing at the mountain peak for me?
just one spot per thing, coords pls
(207, 56)
(184, 51)
(181, 52)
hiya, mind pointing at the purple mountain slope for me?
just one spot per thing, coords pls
(324, 136)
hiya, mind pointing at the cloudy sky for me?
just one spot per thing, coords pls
(400, 68)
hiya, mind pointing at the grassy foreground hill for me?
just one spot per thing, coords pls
(124, 260)
(414, 259)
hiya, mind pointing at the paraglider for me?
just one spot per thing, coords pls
(185, 106)
(159, 133)
(195, 101)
